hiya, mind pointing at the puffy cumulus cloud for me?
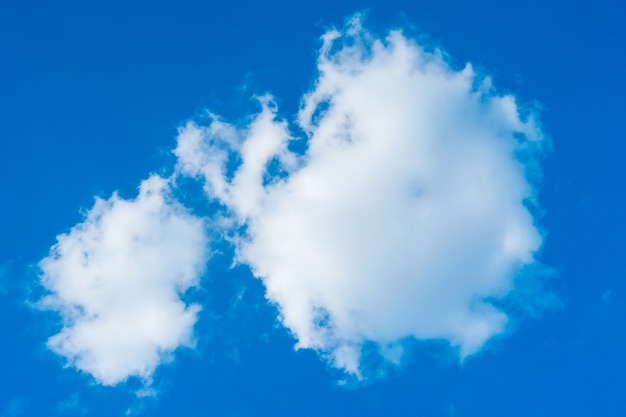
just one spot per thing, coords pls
(407, 216)
(116, 279)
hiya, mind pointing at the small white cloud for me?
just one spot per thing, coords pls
(116, 279)
(406, 214)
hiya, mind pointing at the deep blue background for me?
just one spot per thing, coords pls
(91, 94)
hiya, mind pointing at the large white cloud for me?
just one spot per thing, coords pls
(405, 216)
(116, 279)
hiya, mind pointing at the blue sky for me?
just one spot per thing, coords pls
(435, 239)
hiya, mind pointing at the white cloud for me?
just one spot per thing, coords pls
(116, 280)
(405, 215)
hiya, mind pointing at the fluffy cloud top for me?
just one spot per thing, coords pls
(405, 216)
(116, 280)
